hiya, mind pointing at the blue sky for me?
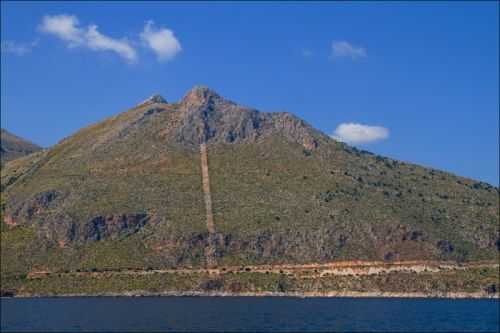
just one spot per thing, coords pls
(413, 81)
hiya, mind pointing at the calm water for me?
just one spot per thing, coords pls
(113, 314)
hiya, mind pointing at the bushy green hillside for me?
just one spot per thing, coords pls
(127, 193)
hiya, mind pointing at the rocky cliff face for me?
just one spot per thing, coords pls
(207, 117)
(127, 192)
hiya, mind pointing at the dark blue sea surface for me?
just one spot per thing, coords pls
(271, 314)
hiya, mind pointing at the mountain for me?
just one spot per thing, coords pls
(205, 182)
(12, 146)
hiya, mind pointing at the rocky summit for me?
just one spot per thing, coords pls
(205, 182)
(207, 117)
(155, 98)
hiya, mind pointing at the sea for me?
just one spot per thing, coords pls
(248, 314)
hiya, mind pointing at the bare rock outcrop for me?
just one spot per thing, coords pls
(208, 117)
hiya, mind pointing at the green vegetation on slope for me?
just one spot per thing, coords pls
(127, 193)
(470, 281)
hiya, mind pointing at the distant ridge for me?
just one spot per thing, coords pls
(12, 146)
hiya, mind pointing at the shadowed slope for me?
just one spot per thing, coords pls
(12, 147)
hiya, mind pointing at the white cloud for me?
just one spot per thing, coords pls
(162, 41)
(17, 48)
(63, 26)
(97, 41)
(66, 27)
(359, 133)
(345, 49)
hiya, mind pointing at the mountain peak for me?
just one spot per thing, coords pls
(208, 117)
(155, 98)
(200, 95)
(283, 193)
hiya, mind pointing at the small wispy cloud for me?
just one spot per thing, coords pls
(358, 133)
(63, 27)
(97, 41)
(17, 48)
(306, 53)
(162, 41)
(343, 49)
(66, 28)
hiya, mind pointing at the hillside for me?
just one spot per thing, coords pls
(12, 147)
(205, 182)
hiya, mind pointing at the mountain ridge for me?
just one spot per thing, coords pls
(13, 146)
(281, 190)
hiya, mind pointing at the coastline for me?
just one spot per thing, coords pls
(331, 294)
(340, 279)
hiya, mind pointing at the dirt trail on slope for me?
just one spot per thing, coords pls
(210, 251)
